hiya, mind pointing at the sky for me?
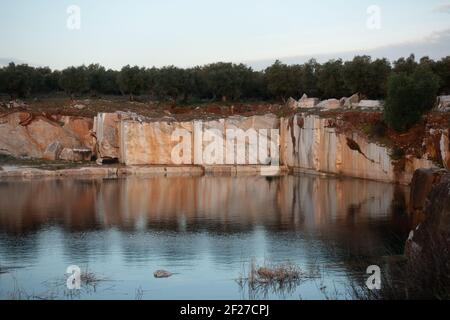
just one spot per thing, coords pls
(184, 33)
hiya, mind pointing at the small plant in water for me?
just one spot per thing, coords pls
(279, 279)
(139, 294)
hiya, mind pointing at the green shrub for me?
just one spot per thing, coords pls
(409, 97)
(379, 129)
(397, 153)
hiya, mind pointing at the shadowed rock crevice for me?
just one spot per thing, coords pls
(353, 145)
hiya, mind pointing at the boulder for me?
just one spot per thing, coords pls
(443, 103)
(370, 104)
(329, 104)
(79, 106)
(308, 103)
(75, 155)
(16, 104)
(351, 102)
(53, 151)
(303, 103)
(292, 103)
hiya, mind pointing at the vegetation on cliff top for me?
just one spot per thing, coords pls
(409, 86)
(409, 97)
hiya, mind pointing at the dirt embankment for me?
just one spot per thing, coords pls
(91, 107)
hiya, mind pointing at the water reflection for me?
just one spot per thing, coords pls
(214, 204)
(203, 225)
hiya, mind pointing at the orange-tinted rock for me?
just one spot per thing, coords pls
(25, 135)
(53, 151)
(106, 129)
(81, 127)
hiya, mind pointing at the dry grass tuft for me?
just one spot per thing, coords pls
(280, 279)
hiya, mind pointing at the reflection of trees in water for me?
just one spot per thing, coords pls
(355, 215)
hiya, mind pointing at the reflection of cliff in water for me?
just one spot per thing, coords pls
(212, 204)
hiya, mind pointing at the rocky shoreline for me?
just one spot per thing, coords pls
(118, 171)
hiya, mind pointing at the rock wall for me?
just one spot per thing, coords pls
(428, 246)
(307, 142)
(26, 135)
(106, 131)
(149, 142)
(155, 142)
(310, 142)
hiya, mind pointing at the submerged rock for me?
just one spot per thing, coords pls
(162, 274)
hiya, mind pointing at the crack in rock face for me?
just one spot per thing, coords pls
(353, 145)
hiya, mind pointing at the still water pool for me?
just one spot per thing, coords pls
(206, 230)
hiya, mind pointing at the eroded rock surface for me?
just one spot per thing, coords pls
(313, 143)
(27, 135)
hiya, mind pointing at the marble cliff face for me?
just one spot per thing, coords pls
(306, 142)
(315, 143)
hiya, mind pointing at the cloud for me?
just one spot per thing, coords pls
(442, 8)
(436, 45)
